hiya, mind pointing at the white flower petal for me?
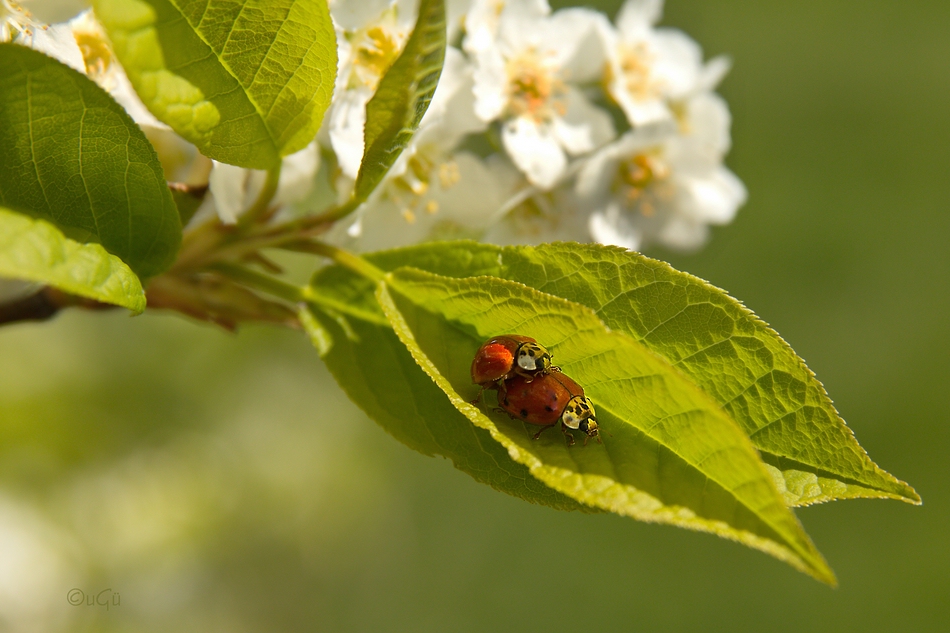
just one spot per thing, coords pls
(679, 61)
(639, 112)
(535, 151)
(636, 16)
(713, 72)
(584, 126)
(683, 234)
(451, 115)
(234, 190)
(296, 175)
(353, 15)
(57, 41)
(705, 137)
(613, 227)
(347, 121)
(473, 199)
(484, 19)
(490, 84)
(574, 42)
(716, 198)
(594, 179)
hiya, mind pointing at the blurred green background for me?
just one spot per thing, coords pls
(224, 483)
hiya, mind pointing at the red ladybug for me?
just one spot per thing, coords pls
(547, 400)
(505, 356)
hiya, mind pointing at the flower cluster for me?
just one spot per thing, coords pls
(545, 125)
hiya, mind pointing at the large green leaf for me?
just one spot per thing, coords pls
(35, 250)
(672, 455)
(402, 97)
(727, 351)
(247, 82)
(72, 156)
(379, 374)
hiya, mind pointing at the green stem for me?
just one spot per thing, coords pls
(263, 201)
(345, 258)
(260, 281)
(339, 212)
(310, 222)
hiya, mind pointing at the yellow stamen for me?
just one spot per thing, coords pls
(533, 89)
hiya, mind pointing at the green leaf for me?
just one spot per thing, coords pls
(319, 336)
(730, 353)
(402, 97)
(72, 156)
(36, 250)
(672, 455)
(246, 82)
(378, 373)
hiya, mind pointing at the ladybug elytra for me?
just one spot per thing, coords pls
(548, 399)
(503, 357)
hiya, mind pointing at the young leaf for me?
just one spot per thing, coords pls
(672, 455)
(36, 250)
(246, 82)
(378, 373)
(72, 156)
(729, 352)
(402, 98)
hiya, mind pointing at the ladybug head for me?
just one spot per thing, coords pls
(533, 357)
(589, 426)
(579, 414)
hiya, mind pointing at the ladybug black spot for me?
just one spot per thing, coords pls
(548, 408)
(524, 413)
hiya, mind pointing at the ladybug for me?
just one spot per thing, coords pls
(549, 399)
(502, 357)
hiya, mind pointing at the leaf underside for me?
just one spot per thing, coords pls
(72, 156)
(35, 250)
(246, 82)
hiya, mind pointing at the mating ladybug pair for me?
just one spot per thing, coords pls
(530, 388)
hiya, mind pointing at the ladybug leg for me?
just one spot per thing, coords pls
(596, 437)
(500, 410)
(477, 398)
(527, 376)
(538, 434)
(569, 436)
(502, 388)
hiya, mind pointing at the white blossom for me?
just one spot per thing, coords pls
(649, 68)
(666, 183)
(433, 190)
(528, 79)
(16, 22)
(518, 144)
